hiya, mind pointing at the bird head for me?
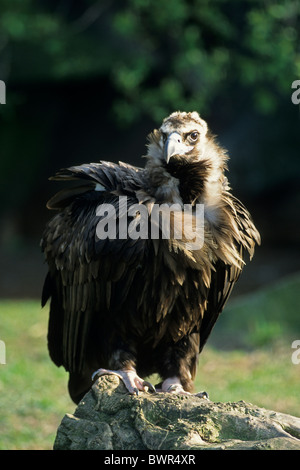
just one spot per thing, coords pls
(181, 135)
(184, 156)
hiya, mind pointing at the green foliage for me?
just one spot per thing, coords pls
(158, 56)
(149, 59)
(273, 40)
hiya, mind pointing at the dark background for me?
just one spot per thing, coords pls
(88, 80)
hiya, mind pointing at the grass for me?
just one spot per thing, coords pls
(250, 353)
(263, 317)
(248, 358)
(33, 393)
(265, 378)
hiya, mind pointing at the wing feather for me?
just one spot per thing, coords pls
(95, 282)
(85, 273)
(243, 237)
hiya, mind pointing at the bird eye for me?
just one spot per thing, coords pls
(194, 136)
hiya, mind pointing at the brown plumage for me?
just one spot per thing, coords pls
(145, 305)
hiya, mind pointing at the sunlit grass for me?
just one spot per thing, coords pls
(266, 378)
(251, 359)
(33, 392)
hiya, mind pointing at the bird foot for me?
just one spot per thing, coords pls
(174, 386)
(204, 395)
(179, 390)
(129, 377)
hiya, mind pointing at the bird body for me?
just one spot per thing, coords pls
(128, 301)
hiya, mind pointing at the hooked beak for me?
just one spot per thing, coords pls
(173, 146)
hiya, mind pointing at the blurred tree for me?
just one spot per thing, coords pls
(144, 59)
(157, 55)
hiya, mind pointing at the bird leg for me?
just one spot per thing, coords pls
(177, 366)
(129, 377)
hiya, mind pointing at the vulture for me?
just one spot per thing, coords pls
(131, 294)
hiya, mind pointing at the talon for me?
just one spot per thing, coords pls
(148, 386)
(203, 395)
(135, 391)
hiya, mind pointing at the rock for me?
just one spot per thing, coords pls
(108, 418)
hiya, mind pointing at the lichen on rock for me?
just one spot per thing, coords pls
(108, 418)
